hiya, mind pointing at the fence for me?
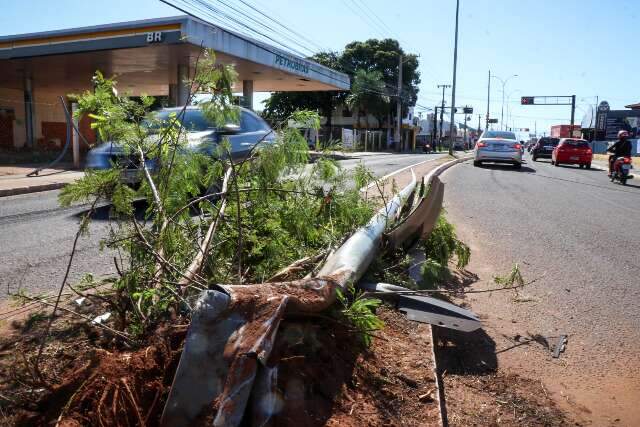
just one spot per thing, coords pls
(364, 140)
(600, 147)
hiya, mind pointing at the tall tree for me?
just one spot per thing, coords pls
(382, 56)
(369, 55)
(367, 96)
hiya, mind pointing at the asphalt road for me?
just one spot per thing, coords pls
(36, 235)
(579, 235)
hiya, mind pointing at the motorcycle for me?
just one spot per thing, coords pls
(622, 170)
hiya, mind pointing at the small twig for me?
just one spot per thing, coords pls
(133, 402)
(153, 404)
(196, 265)
(83, 223)
(454, 292)
(82, 316)
(238, 219)
(296, 266)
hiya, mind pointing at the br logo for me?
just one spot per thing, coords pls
(154, 37)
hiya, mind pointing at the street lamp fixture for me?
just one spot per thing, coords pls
(504, 83)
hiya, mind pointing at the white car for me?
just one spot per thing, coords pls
(498, 147)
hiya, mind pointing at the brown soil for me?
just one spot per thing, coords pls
(327, 377)
(479, 394)
(84, 377)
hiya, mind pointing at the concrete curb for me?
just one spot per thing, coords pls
(32, 189)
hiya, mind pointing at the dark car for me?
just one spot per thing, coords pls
(544, 148)
(201, 137)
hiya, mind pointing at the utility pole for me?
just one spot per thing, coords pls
(479, 118)
(486, 124)
(398, 135)
(573, 113)
(442, 114)
(453, 89)
(435, 129)
(464, 140)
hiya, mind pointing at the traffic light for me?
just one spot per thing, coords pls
(526, 100)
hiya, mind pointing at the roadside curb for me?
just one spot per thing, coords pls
(437, 375)
(389, 175)
(32, 189)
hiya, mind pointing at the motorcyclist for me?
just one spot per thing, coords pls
(621, 148)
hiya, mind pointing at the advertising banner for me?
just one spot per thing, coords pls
(610, 122)
(347, 139)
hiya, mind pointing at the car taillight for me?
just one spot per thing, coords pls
(481, 144)
(517, 146)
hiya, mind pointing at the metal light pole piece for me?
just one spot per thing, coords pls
(486, 122)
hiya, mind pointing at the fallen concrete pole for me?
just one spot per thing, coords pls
(233, 329)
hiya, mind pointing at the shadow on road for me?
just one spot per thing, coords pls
(497, 166)
(578, 168)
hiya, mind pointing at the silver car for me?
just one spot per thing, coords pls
(498, 150)
(201, 136)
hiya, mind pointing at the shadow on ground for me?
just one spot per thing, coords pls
(465, 353)
(497, 166)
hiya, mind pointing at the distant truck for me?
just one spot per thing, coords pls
(564, 131)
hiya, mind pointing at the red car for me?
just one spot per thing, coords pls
(572, 151)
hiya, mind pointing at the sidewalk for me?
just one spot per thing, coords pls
(14, 179)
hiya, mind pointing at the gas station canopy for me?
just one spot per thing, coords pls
(151, 57)
(146, 55)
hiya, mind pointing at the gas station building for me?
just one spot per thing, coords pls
(152, 57)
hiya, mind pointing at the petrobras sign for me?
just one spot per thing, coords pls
(291, 64)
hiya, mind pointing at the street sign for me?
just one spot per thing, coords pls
(467, 110)
(526, 100)
(493, 120)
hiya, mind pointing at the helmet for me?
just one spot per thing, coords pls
(623, 134)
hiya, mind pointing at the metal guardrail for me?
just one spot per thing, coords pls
(233, 328)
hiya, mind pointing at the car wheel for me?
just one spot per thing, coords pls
(477, 163)
(518, 165)
(588, 165)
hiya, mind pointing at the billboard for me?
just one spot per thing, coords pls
(610, 122)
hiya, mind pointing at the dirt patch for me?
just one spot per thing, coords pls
(395, 385)
(84, 376)
(477, 393)
(326, 376)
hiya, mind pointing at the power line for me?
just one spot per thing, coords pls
(253, 19)
(186, 10)
(285, 27)
(362, 18)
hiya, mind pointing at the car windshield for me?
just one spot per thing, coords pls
(576, 143)
(498, 134)
(192, 119)
(549, 141)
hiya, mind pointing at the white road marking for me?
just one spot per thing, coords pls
(387, 176)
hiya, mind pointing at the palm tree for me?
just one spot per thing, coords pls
(368, 95)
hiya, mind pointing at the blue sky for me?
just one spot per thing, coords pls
(557, 47)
